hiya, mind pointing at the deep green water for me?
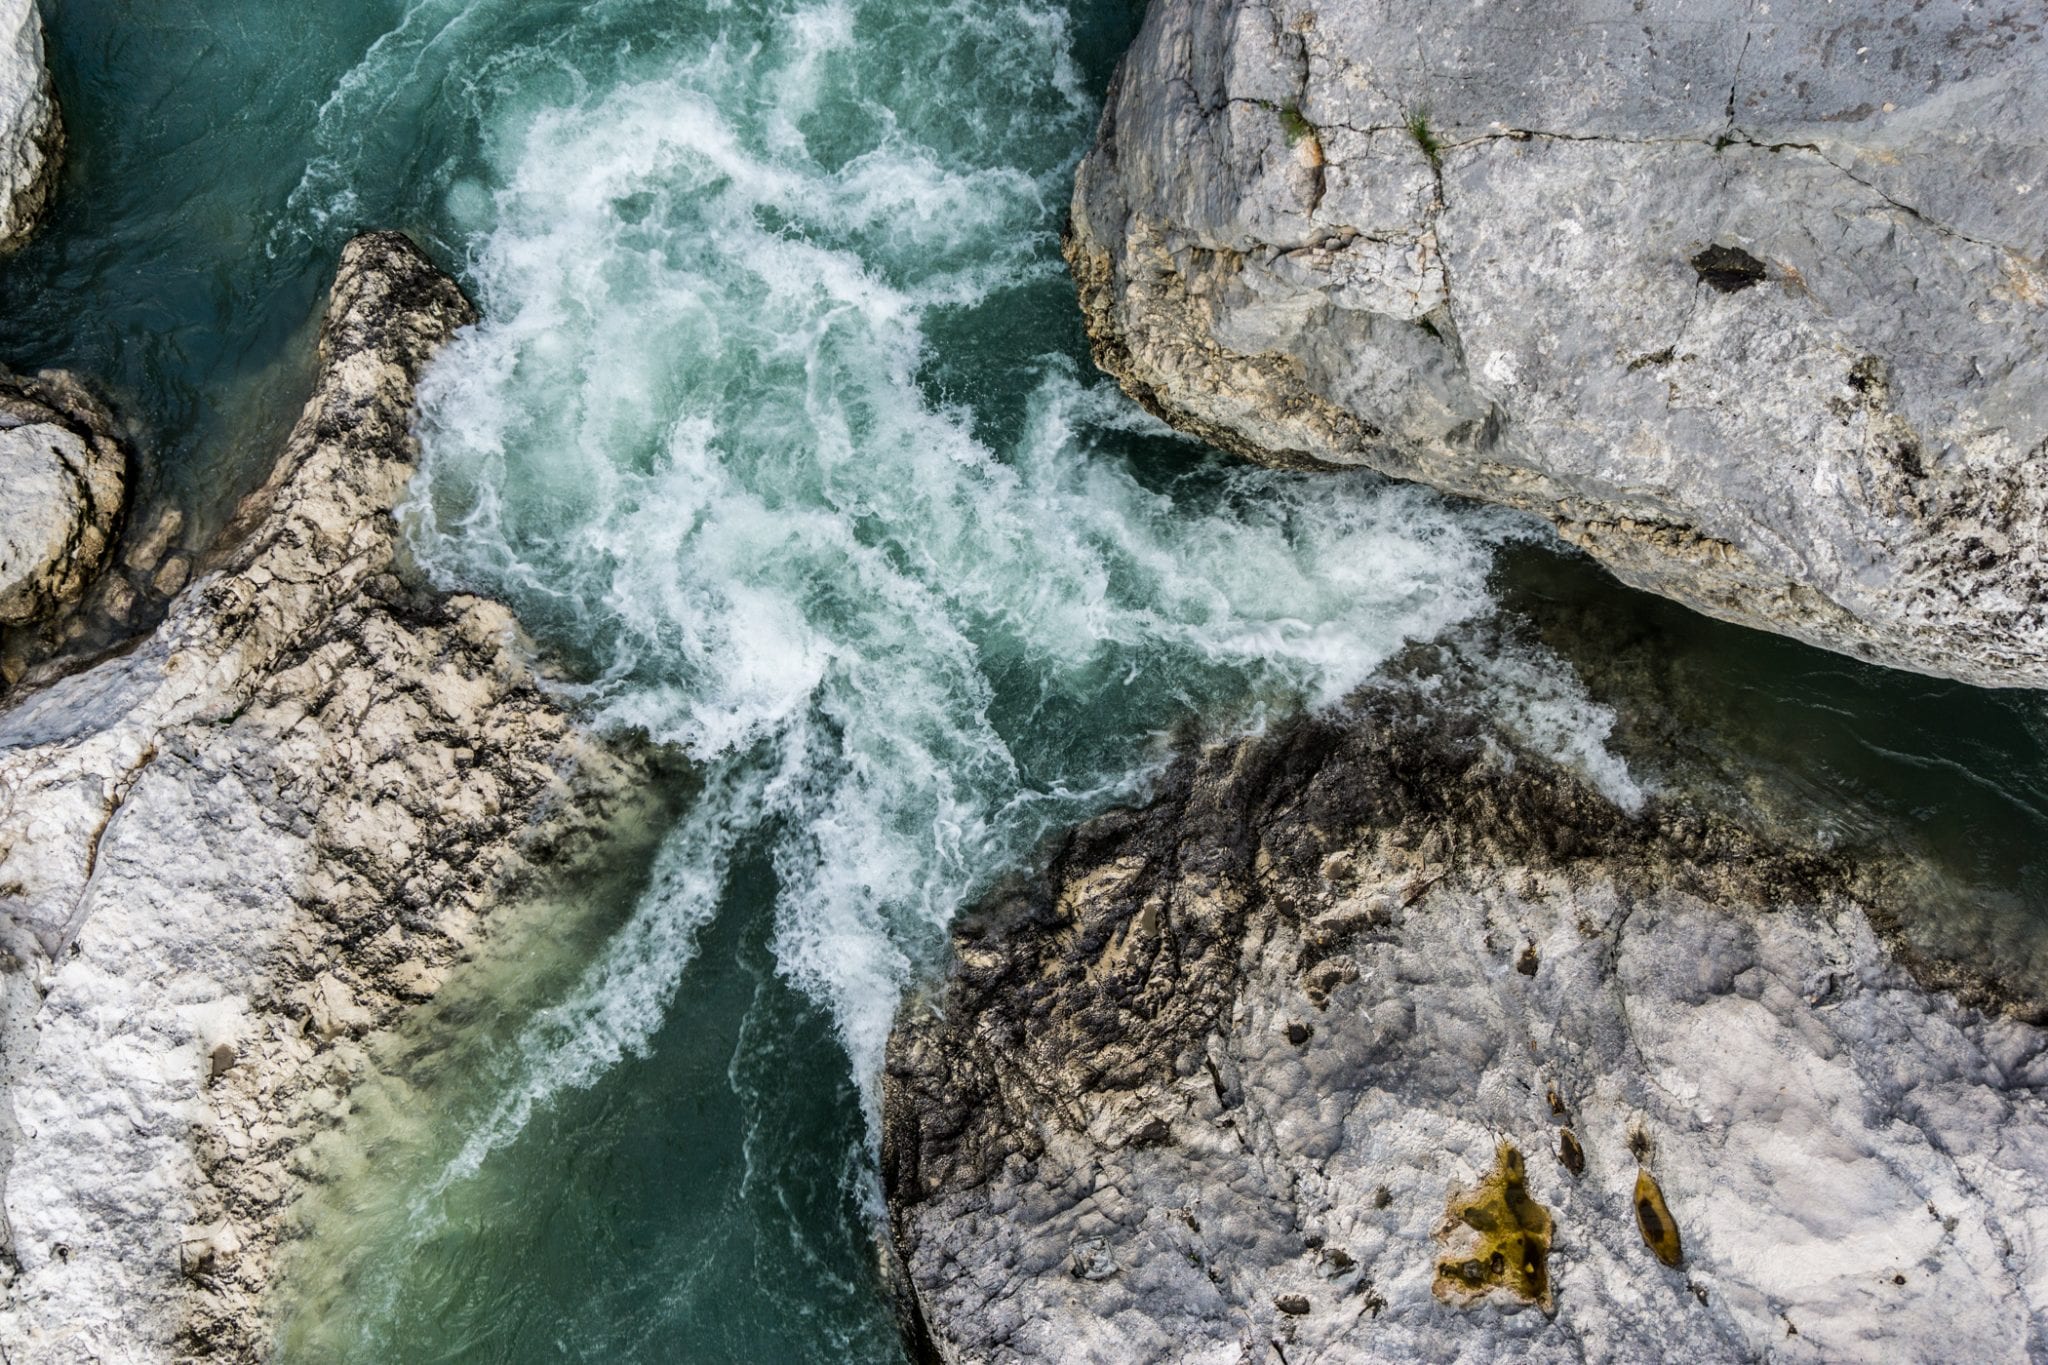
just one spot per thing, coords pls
(780, 427)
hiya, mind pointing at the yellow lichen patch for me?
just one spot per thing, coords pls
(1653, 1218)
(1496, 1239)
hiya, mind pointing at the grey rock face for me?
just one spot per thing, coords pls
(1752, 302)
(31, 134)
(232, 853)
(1206, 1090)
(62, 477)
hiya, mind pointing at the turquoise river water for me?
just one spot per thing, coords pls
(780, 430)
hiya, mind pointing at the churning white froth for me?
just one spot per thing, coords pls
(705, 438)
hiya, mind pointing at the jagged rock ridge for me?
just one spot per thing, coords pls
(31, 133)
(232, 853)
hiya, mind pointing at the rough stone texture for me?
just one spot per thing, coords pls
(62, 478)
(229, 854)
(1203, 1091)
(31, 134)
(1751, 301)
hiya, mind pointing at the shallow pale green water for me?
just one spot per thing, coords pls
(780, 427)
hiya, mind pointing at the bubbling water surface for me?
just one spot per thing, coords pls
(907, 606)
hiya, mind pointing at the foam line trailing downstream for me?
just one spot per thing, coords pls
(773, 420)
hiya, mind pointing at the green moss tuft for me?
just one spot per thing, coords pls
(1294, 125)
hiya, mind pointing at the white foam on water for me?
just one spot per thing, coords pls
(1534, 695)
(396, 76)
(694, 439)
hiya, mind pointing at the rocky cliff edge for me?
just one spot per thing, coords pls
(31, 133)
(1382, 1038)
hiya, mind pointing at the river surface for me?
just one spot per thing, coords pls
(780, 430)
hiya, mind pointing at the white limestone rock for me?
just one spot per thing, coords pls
(31, 134)
(231, 853)
(1750, 301)
(62, 480)
(1204, 1091)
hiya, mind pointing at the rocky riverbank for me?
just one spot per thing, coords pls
(231, 854)
(1384, 1038)
(1750, 303)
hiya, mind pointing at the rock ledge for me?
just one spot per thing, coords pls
(31, 133)
(230, 855)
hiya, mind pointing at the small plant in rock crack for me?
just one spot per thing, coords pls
(1294, 125)
(1425, 136)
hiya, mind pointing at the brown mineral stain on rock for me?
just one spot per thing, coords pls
(1653, 1218)
(1569, 1153)
(1498, 1239)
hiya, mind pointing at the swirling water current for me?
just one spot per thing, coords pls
(779, 428)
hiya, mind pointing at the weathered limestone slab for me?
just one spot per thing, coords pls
(231, 853)
(1239, 1078)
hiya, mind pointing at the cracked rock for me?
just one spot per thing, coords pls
(1627, 273)
(1800, 1152)
(233, 853)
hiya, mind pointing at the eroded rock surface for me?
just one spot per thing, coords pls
(1749, 300)
(62, 479)
(1238, 1079)
(230, 854)
(31, 134)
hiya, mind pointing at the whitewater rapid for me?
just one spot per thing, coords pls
(705, 436)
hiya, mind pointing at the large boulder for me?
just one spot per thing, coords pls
(31, 134)
(1382, 1038)
(1749, 300)
(62, 477)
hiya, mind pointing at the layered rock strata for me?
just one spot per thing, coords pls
(1750, 301)
(231, 854)
(1385, 1039)
(31, 133)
